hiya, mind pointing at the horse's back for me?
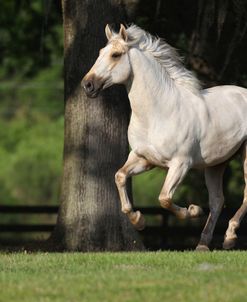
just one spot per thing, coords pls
(228, 105)
(226, 94)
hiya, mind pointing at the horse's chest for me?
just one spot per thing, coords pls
(159, 145)
(149, 147)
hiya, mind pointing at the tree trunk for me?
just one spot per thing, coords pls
(95, 142)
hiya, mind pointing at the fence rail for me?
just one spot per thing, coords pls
(169, 233)
(29, 209)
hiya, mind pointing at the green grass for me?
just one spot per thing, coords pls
(128, 277)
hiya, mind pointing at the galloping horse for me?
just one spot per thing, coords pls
(174, 123)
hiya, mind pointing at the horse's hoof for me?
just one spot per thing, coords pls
(195, 211)
(229, 243)
(202, 248)
(138, 220)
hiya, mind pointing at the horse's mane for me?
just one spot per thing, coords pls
(166, 55)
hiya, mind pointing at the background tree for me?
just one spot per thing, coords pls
(95, 142)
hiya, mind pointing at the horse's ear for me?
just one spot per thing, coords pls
(123, 33)
(108, 32)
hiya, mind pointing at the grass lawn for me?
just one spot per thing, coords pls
(161, 276)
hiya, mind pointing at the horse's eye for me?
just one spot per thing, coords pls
(116, 55)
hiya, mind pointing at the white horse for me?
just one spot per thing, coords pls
(174, 124)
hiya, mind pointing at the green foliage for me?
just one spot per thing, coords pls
(31, 167)
(31, 136)
(31, 109)
(30, 35)
(147, 186)
(144, 277)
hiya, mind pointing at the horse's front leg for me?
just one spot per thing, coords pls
(176, 173)
(133, 166)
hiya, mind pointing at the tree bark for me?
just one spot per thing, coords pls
(95, 141)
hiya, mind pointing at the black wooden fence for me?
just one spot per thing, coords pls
(163, 230)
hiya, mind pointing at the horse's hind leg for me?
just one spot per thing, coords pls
(230, 236)
(134, 165)
(214, 182)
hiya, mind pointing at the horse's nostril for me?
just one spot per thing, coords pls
(89, 86)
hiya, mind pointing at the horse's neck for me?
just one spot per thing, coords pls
(150, 88)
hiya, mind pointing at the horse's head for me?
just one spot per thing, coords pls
(112, 66)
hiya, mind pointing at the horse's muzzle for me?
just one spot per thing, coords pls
(91, 86)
